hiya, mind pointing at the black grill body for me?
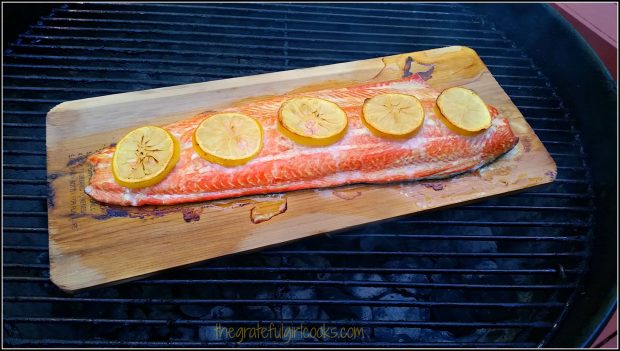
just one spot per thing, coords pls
(509, 271)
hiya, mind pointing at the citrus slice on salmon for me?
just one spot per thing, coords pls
(229, 139)
(435, 151)
(144, 157)
(393, 115)
(464, 109)
(312, 121)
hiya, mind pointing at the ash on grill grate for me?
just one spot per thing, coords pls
(497, 273)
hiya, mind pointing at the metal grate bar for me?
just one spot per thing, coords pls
(529, 208)
(24, 197)
(24, 152)
(297, 12)
(24, 181)
(252, 302)
(248, 28)
(345, 270)
(348, 14)
(71, 26)
(133, 50)
(155, 70)
(155, 82)
(184, 72)
(295, 6)
(21, 166)
(199, 25)
(430, 254)
(258, 46)
(79, 79)
(470, 237)
(560, 195)
(383, 7)
(385, 270)
(327, 283)
(24, 125)
(496, 255)
(26, 266)
(264, 67)
(22, 138)
(99, 321)
(91, 90)
(12, 112)
(107, 343)
(152, 82)
(255, 18)
(23, 214)
(501, 223)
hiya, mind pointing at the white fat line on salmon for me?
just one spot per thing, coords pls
(341, 178)
(334, 150)
(476, 142)
(412, 143)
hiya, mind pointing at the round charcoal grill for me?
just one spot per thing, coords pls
(522, 270)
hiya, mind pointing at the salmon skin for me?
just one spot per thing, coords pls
(435, 151)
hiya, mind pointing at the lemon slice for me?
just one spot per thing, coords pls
(229, 139)
(312, 121)
(144, 157)
(393, 115)
(464, 109)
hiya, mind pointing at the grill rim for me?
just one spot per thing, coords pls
(571, 329)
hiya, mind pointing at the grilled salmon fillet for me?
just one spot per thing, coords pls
(435, 151)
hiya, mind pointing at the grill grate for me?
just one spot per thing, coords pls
(495, 274)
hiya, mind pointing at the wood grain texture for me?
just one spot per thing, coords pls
(92, 244)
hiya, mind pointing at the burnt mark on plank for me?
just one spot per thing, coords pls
(77, 160)
(50, 189)
(263, 209)
(407, 68)
(434, 186)
(424, 70)
(146, 212)
(50, 194)
(347, 194)
(428, 73)
(116, 212)
(551, 174)
(191, 214)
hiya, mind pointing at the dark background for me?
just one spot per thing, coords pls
(17, 17)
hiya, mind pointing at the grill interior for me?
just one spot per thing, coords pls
(496, 273)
